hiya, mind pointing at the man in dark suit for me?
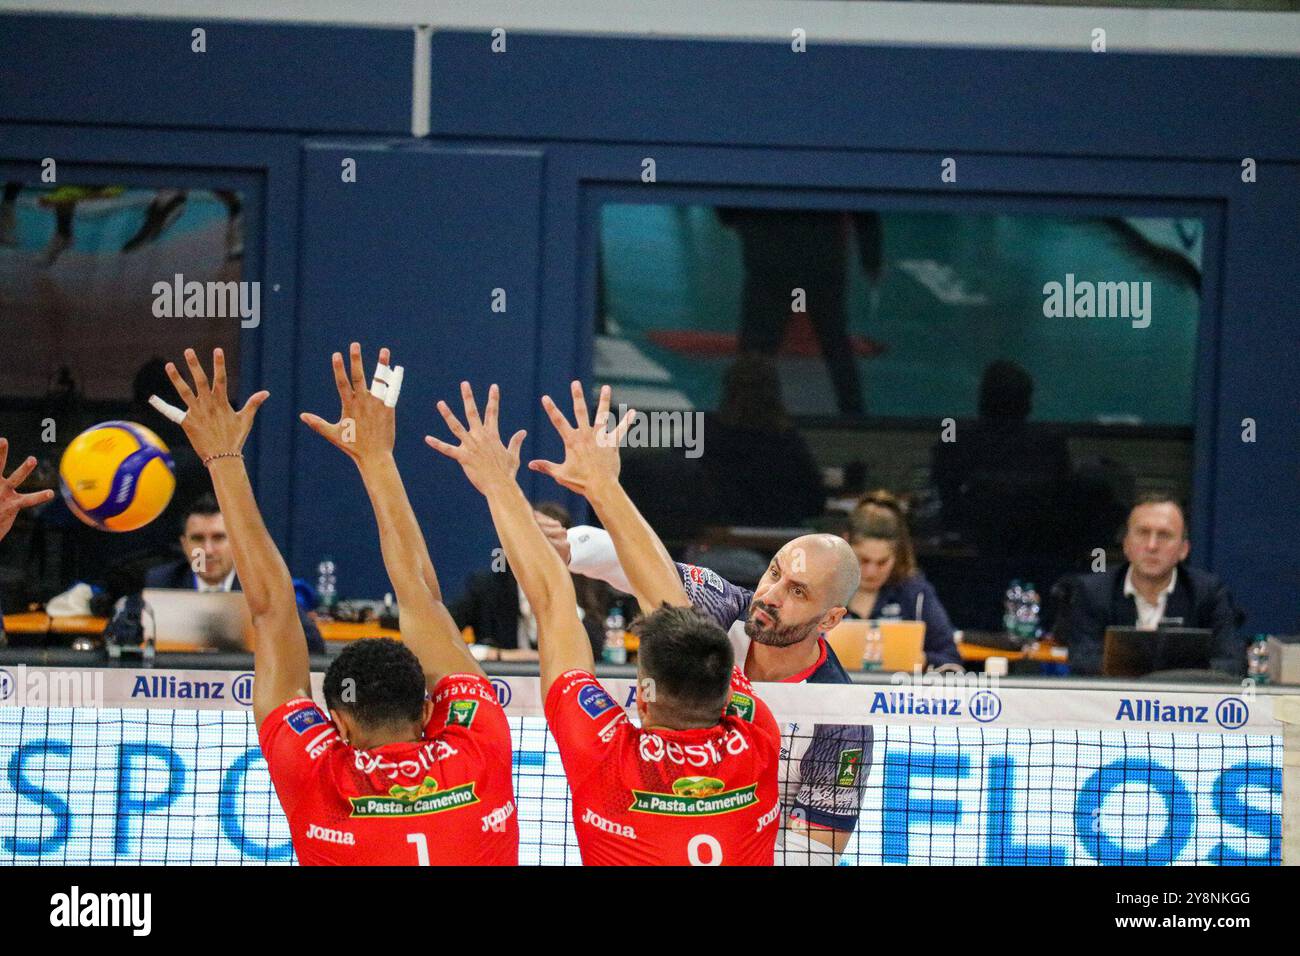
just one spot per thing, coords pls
(209, 564)
(495, 606)
(1153, 587)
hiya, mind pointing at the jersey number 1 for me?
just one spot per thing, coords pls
(421, 847)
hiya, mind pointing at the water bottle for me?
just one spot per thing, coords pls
(1027, 614)
(873, 648)
(326, 590)
(1257, 659)
(615, 651)
(1011, 606)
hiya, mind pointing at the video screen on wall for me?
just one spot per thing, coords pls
(897, 314)
(98, 290)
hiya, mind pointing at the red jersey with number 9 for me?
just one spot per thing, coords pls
(446, 800)
(703, 797)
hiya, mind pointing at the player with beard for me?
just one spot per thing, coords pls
(778, 631)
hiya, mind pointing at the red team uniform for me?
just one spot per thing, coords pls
(445, 800)
(703, 797)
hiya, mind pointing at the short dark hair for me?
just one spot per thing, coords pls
(557, 511)
(1161, 498)
(204, 504)
(387, 683)
(690, 659)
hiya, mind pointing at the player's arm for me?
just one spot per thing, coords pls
(490, 466)
(280, 667)
(591, 467)
(589, 551)
(11, 500)
(365, 433)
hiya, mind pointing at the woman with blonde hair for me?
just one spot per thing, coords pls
(893, 587)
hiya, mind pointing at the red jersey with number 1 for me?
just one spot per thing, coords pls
(704, 797)
(446, 800)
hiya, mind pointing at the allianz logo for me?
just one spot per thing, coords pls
(1231, 713)
(983, 706)
(169, 687)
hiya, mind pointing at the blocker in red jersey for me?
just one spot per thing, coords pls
(696, 783)
(703, 796)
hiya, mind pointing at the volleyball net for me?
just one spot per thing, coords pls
(154, 766)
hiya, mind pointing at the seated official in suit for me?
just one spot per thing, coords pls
(495, 606)
(203, 534)
(1153, 587)
(892, 586)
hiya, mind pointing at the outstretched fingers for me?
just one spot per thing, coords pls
(602, 409)
(179, 383)
(626, 423)
(453, 423)
(358, 371)
(219, 372)
(557, 417)
(35, 498)
(516, 442)
(471, 407)
(196, 371)
(580, 412)
(490, 412)
(341, 379)
(438, 445)
(20, 473)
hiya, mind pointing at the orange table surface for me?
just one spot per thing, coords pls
(38, 622)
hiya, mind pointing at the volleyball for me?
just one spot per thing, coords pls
(117, 476)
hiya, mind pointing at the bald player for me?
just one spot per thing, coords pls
(778, 631)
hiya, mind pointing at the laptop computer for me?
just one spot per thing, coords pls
(1131, 652)
(185, 620)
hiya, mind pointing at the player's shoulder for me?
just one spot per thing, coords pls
(299, 714)
(465, 686)
(829, 670)
(581, 690)
(696, 576)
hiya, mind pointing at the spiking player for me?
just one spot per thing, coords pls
(692, 785)
(414, 767)
(777, 632)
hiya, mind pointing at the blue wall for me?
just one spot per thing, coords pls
(525, 144)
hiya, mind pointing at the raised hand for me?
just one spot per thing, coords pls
(366, 425)
(480, 453)
(590, 449)
(11, 500)
(212, 425)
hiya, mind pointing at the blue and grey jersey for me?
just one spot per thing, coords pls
(823, 766)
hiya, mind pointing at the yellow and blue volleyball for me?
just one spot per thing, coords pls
(117, 476)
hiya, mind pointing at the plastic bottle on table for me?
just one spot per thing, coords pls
(1257, 659)
(1027, 614)
(873, 648)
(615, 650)
(326, 584)
(1010, 607)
